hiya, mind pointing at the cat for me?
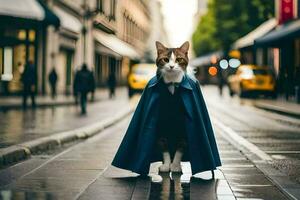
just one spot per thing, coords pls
(171, 69)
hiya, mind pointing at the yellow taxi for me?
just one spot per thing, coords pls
(139, 76)
(251, 79)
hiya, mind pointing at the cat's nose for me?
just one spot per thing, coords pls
(171, 67)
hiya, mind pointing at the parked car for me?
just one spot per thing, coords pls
(251, 80)
(139, 76)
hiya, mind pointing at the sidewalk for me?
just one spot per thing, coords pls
(279, 106)
(51, 128)
(15, 102)
(19, 126)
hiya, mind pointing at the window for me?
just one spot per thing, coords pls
(7, 64)
(100, 5)
(112, 9)
(31, 35)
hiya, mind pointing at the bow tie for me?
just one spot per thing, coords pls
(173, 83)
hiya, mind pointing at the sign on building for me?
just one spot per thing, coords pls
(286, 10)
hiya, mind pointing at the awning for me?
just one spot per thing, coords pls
(260, 31)
(283, 32)
(68, 21)
(206, 59)
(34, 10)
(115, 44)
(103, 50)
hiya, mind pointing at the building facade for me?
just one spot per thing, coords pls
(280, 49)
(107, 35)
(276, 45)
(23, 31)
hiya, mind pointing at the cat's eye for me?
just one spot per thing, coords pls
(166, 59)
(179, 60)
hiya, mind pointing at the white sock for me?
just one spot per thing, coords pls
(177, 157)
(167, 158)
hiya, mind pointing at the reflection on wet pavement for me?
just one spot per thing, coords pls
(25, 195)
(19, 126)
(169, 188)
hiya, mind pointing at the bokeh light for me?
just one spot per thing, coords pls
(212, 71)
(234, 63)
(224, 64)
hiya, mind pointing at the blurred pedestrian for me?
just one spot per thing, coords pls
(28, 79)
(53, 80)
(221, 82)
(75, 88)
(83, 84)
(111, 82)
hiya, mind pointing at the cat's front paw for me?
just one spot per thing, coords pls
(164, 167)
(175, 167)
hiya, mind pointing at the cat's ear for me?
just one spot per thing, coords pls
(160, 47)
(185, 47)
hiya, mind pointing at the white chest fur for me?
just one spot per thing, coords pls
(171, 88)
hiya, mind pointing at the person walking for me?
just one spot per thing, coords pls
(53, 80)
(111, 82)
(83, 84)
(28, 79)
(221, 82)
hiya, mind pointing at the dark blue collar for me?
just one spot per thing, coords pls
(184, 83)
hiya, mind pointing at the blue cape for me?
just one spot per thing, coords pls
(138, 148)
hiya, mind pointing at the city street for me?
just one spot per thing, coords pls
(259, 152)
(71, 77)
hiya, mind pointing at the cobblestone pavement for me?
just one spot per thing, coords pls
(19, 126)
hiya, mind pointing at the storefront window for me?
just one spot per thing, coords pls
(22, 34)
(19, 62)
(31, 53)
(31, 35)
(19, 48)
(7, 64)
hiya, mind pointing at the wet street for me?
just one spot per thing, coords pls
(276, 136)
(259, 152)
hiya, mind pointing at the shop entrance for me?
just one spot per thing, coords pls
(17, 48)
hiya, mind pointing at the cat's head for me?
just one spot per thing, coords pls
(172, 62)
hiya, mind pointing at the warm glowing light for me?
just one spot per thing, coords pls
(213, 59)
(212, 71)
(22, 35)
(235, 54)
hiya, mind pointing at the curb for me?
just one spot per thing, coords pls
(16, 153)
(278, 110)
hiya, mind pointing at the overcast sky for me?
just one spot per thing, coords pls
(179, 16)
